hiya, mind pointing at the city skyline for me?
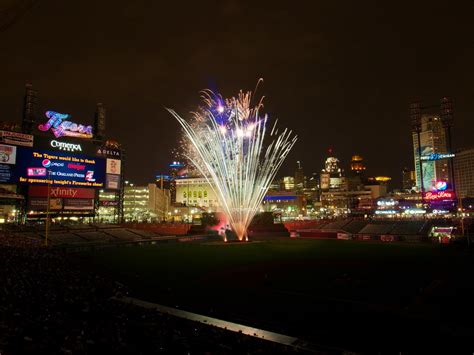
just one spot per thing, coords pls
(338, 82)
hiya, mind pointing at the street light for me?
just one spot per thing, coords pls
(48, 209)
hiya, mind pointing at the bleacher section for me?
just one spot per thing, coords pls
(60, 238)
(408, 228)
(354, 226)
(94, 236)
(377, 229)
(144, 233)
(76, 235)
(122, 234)
(336, 225)
(386, 230)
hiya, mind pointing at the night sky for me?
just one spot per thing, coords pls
(339, 73)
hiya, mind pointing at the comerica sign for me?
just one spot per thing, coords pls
(69, 147)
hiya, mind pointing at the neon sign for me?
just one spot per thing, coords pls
(56, 122)
(439, 195)
(437, 156)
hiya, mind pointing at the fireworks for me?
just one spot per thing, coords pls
(232, 147)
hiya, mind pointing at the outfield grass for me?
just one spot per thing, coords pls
(307, 288)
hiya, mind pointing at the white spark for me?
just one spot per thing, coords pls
(233, 157)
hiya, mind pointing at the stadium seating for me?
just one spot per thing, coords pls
(377, 228)
(122, 234)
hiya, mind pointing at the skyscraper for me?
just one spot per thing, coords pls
(331, 176)
(299, 176)
(433, 141)
(464, 172)
(357, 165)
(408, 179)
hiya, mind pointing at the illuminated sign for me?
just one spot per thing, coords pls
(386, 212)
(325, 179)
(439, 195)
(436, 156)
(7, 173)
(78, 204)
(382, 178)
(112, 182)
(15, 138)
(440, 212)
(176, 164)
(387, 203)
(7, 154)
(36, 172)
(61, 192)
(441, 185)
(41, 203)
(113, 166)
(108, 203)
(59, 169)
(69, 147)
(110, 153)
(60, 127)
(415, 211)
(280, 198)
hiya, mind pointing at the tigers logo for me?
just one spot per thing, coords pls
(56, 122)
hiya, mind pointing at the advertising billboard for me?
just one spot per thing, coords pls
(7, 154)
(325, 178)
(113, 166)
(78, 204)
(439, 196)
(16, 138)
(61, 192)
(7, 173)
(112, 182)
(41, 204)
(60, 168)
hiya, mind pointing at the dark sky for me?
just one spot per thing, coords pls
(339, 73)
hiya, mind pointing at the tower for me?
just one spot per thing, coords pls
(357, 165)
(30, 102)
(99, 122)
(299, 176)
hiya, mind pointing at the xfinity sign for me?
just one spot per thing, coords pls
(69, 147)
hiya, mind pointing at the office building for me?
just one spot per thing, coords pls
(464, 172)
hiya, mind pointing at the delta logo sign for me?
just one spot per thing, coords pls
(61, 128)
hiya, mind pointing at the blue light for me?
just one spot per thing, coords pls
(275, 198)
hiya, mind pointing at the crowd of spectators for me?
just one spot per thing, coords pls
(50, 304)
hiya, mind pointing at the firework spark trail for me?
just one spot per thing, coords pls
(228, 150)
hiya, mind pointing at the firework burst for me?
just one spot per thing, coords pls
(229, 143)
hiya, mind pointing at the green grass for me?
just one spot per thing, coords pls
(308, 288)
(323, 268)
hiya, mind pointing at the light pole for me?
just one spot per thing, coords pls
(47, 209)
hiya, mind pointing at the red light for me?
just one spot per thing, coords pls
(438, 195)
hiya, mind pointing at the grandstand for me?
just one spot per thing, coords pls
(354, 226)
(86, 235)
(377, 228)
(336, 225)
(403, 230)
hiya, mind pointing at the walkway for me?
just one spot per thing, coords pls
(230, 326)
